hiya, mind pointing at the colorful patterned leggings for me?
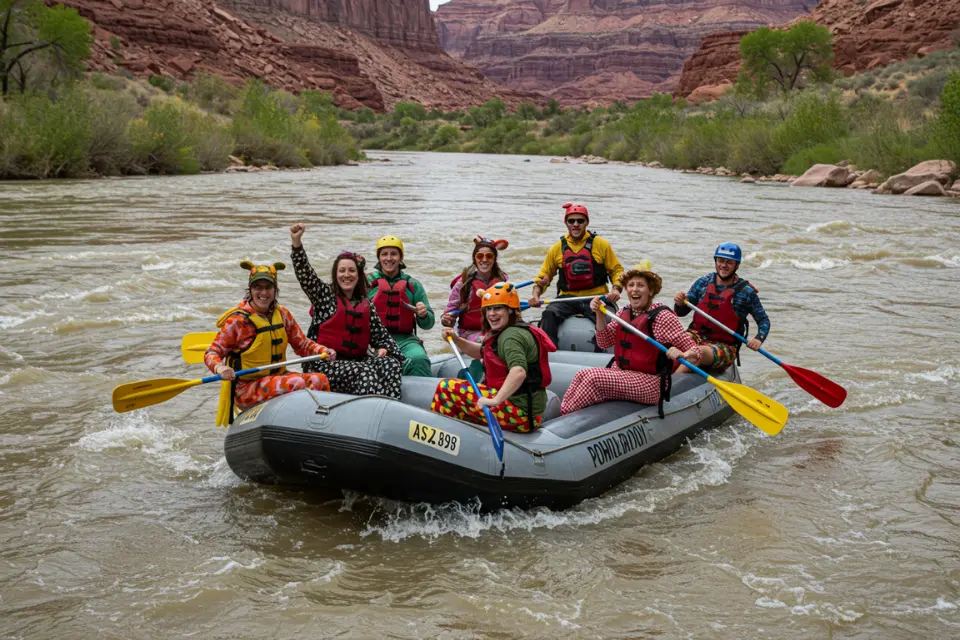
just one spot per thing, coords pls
(456, 399)
(251, 392)
(724, 354)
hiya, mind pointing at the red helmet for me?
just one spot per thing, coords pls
(570, 209)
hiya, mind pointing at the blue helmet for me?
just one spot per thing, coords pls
(729, 251)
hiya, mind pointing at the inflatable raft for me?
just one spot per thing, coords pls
(399, 449)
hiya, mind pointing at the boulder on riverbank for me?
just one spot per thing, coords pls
(941, 171)
(825, 175)
(903, 182)
(929, 188)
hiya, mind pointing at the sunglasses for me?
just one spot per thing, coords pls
(486, 257)
(576, 220)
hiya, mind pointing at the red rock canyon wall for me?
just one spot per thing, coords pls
(594, 50)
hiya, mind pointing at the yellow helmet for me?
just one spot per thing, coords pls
(390, 241)
(501, 293)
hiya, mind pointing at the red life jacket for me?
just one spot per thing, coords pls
(579, 270)
(471, 318)
(389, 303)
(632, 352)
(348, 330)
(538, 377)
(636, 354)
(719, 305)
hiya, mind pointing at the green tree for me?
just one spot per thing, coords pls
(403, 110)
(527, 111)
(30, 31)
(948, 119)
(786, 57)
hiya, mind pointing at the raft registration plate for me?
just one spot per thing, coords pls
(433, 437)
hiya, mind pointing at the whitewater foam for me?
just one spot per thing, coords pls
(833, 226)
(711, 464)
(823, 264)
(131, 432)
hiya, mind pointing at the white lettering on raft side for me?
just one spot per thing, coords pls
(616, 445)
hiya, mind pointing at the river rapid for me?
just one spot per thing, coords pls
(132, 525)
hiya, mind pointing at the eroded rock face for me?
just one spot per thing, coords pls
(866, 35)
(595, 50)
(368, 53)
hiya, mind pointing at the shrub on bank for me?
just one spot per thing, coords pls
(45, 138)
(271, 128)
(109, 126)
(172, 137)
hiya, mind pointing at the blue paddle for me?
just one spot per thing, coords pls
(495, 433)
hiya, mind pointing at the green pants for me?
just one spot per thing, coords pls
(417, 362)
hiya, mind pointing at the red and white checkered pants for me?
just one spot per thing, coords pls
(596, 385)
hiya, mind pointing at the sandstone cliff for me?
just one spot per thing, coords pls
(370, 53)
(867, 34)
(594, 50)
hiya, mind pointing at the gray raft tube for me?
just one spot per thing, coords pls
(332, 441)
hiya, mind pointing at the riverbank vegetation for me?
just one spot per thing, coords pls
(110, 125)
(887, 119)
(57, 123)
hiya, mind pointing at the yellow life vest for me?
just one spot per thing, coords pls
(269, 346)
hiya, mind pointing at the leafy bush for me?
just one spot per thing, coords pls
(929, 86)
(813, 118)
(880, 143)
(44, 138)
(947, 125)
(412, 110)
(106, 83)
(213, 93)
(162, 142)
(110, 151)
(167, 85)
(444, 136)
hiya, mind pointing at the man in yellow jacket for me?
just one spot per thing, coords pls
(585, 263)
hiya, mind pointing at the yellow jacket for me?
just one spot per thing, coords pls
(602, 253)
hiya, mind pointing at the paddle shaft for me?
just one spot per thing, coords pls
(518, 286)
(730, 331)
(192, 383)
(495, 432)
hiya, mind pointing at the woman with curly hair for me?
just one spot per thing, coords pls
(343, 320)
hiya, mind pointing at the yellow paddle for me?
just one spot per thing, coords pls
(764, 413)
(223, 403)
(137, 395)
(194, 345)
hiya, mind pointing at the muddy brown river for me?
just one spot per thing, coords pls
(846, 525)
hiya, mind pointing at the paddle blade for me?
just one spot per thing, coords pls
(823, 389)
(223, 404)
(193, 345)
(137, 395)
(764, 413)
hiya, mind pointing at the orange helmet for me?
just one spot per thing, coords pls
(501, 293)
